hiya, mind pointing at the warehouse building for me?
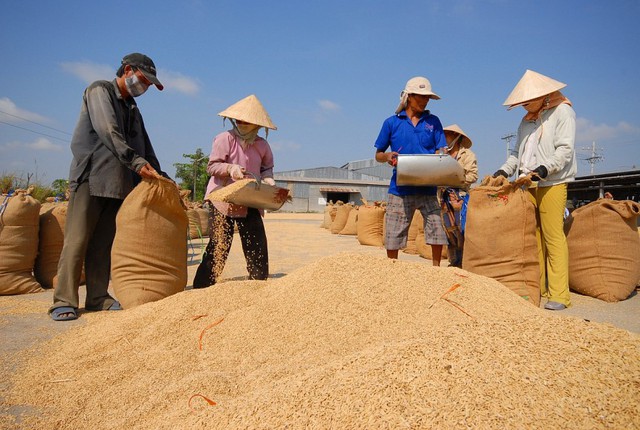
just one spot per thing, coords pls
(368, 180)
(355, 182)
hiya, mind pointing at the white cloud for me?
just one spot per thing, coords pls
(40, 144)
(587, 131)
(15, 114)
(178, 82)
(90, 72)
(43, 144)
(328, 105)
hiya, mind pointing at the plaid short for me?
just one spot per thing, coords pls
(400, 210)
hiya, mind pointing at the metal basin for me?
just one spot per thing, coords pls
(261, 196)
(429, 169)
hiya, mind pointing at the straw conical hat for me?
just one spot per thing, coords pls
(250, 110)
(531, 86)
(455, 128)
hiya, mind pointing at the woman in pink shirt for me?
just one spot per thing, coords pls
(237, 153)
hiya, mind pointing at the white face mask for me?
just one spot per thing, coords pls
(247, 132)
(135, 87)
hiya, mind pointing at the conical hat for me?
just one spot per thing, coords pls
(250, 110)
(531, 86)
(455, 128)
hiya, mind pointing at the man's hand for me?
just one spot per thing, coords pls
(392, 158)
(501, 173)
(148, 172)
(269, 181)
(236, 171)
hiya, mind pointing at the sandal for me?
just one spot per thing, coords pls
(115, 306)
(64, 313)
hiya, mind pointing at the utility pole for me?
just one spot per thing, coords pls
(595, 157)
(507, 138)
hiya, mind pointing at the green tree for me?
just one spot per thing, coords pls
(194, 169)
(60, 186)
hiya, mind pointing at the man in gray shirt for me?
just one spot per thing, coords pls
(111, 151)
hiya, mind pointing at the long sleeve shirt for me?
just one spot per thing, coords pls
(555, 132)
(467, 159)
(227, 149)
(110, 143)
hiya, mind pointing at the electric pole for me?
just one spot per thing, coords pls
(507, 138)
(594, 157)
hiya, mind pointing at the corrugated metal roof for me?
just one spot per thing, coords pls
(339, 190)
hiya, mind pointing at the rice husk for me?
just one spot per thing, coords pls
(349, 341)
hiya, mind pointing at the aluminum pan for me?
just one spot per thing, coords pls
(429, 169)
(260, 196)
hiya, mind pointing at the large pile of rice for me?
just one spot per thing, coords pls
(350, 341)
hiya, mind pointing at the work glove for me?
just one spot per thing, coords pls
(500, 173)
(539, 172)
(236, 172)
(269, 181)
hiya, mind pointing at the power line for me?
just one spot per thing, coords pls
(595, 156)
(33, 131)
(34, 122)
(508, 137)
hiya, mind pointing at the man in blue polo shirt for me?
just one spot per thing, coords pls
(412, 130)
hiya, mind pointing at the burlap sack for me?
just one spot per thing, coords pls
(604, 249)
(195, 229)
(329, 215)
(370, 225)
(203, 213)
(19, 225)
(342, 215)
(149, 254)
(351, 226)
(500, 236)
(53, 218)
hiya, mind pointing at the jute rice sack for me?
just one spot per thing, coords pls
(604, 249)
(500, 236)
(149, 254)
(351, 227)
(329, 215)
(203, 213)
(195, 229)
(342, 215)
(53, 218)
(370, 225)
(19, 225)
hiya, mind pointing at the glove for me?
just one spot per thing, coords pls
(539, 172)
(500, 173)
(236, 171)
(269, 181)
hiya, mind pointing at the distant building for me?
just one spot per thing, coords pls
(368, 180)
(622, 185)
(355, 182)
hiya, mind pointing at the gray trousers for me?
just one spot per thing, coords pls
(89, 231)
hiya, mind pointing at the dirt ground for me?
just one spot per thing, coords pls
(295, 240)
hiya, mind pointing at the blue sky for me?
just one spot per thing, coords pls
(328, 72)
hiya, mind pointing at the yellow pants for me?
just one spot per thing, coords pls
(553, 252)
